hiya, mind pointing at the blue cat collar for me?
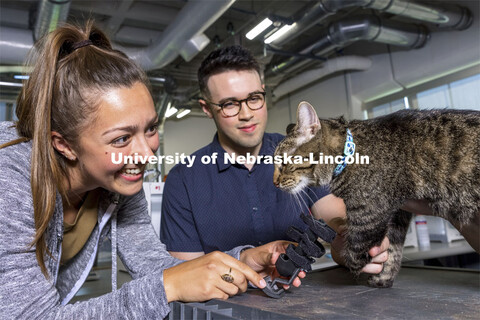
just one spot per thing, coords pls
(348, 151)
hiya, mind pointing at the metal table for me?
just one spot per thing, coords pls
(418, 293)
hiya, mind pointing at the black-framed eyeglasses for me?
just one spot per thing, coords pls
(232, 107)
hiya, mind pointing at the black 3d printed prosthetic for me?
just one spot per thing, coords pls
(297, 258)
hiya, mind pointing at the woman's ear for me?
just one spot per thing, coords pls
(62, 146)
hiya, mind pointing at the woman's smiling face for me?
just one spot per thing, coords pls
(125, 122)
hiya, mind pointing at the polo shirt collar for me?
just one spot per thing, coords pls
(216, 147)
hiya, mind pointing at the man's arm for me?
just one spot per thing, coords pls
(186, 255)
(332, 210)
(469, 231)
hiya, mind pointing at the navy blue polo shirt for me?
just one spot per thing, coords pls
(219, 206)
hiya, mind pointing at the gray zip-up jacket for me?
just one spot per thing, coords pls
(25, 293)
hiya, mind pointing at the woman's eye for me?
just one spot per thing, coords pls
(120, 141)
(153, 129)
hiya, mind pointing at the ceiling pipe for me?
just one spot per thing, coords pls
(328, 68)
(369, 28)
(50, 14)
(454, 17)
(372, 28)
(445, 16)
(309, 17)
(194, 18)
(15, 45)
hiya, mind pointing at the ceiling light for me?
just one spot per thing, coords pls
(170, 111)
(21, 77)
(279, 33)
(259, 29)
(183, 113)
(157, 79)
(10, 84)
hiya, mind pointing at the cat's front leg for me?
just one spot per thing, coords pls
(397, 230)
(364, 231)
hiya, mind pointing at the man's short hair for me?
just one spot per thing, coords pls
(235, 58)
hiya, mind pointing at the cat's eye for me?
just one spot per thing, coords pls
(303, 165)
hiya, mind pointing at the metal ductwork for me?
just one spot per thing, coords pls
(329, 67)
(15, 44)
(454, 17)
(180, 37)
(370, 28)
(50, 14)
(307, 19)
(179, 32)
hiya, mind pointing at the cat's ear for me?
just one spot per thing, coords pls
(307, 121)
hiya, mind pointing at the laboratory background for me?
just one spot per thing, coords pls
(359, 59)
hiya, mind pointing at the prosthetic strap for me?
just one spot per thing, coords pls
(297, 258)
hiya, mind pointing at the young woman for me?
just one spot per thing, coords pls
(61, 194)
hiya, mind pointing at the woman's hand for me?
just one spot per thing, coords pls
(262, 259)
(201, 279)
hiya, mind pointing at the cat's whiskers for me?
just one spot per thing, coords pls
(300, 185)
(297, 201)
(303, 200)
(313, 193)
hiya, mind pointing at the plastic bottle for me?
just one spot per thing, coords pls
(422, 232)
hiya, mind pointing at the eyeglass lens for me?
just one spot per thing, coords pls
(232, 108)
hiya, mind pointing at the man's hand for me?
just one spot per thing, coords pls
(379, 254)
(262, 259)
(333, 211)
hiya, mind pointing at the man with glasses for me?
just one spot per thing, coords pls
(219, 206)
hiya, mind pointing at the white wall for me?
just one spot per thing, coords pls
(327, 97)
(187, 135)
(446, 52)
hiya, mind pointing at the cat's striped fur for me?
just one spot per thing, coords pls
(432, 155)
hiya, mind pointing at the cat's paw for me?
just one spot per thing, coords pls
(355, 262)
(380, 281)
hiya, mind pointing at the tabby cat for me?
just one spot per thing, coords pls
(432, 155)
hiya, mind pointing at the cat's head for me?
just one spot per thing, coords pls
(301, 140)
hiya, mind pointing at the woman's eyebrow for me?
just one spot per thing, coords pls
(130, 128)
(124, 128)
